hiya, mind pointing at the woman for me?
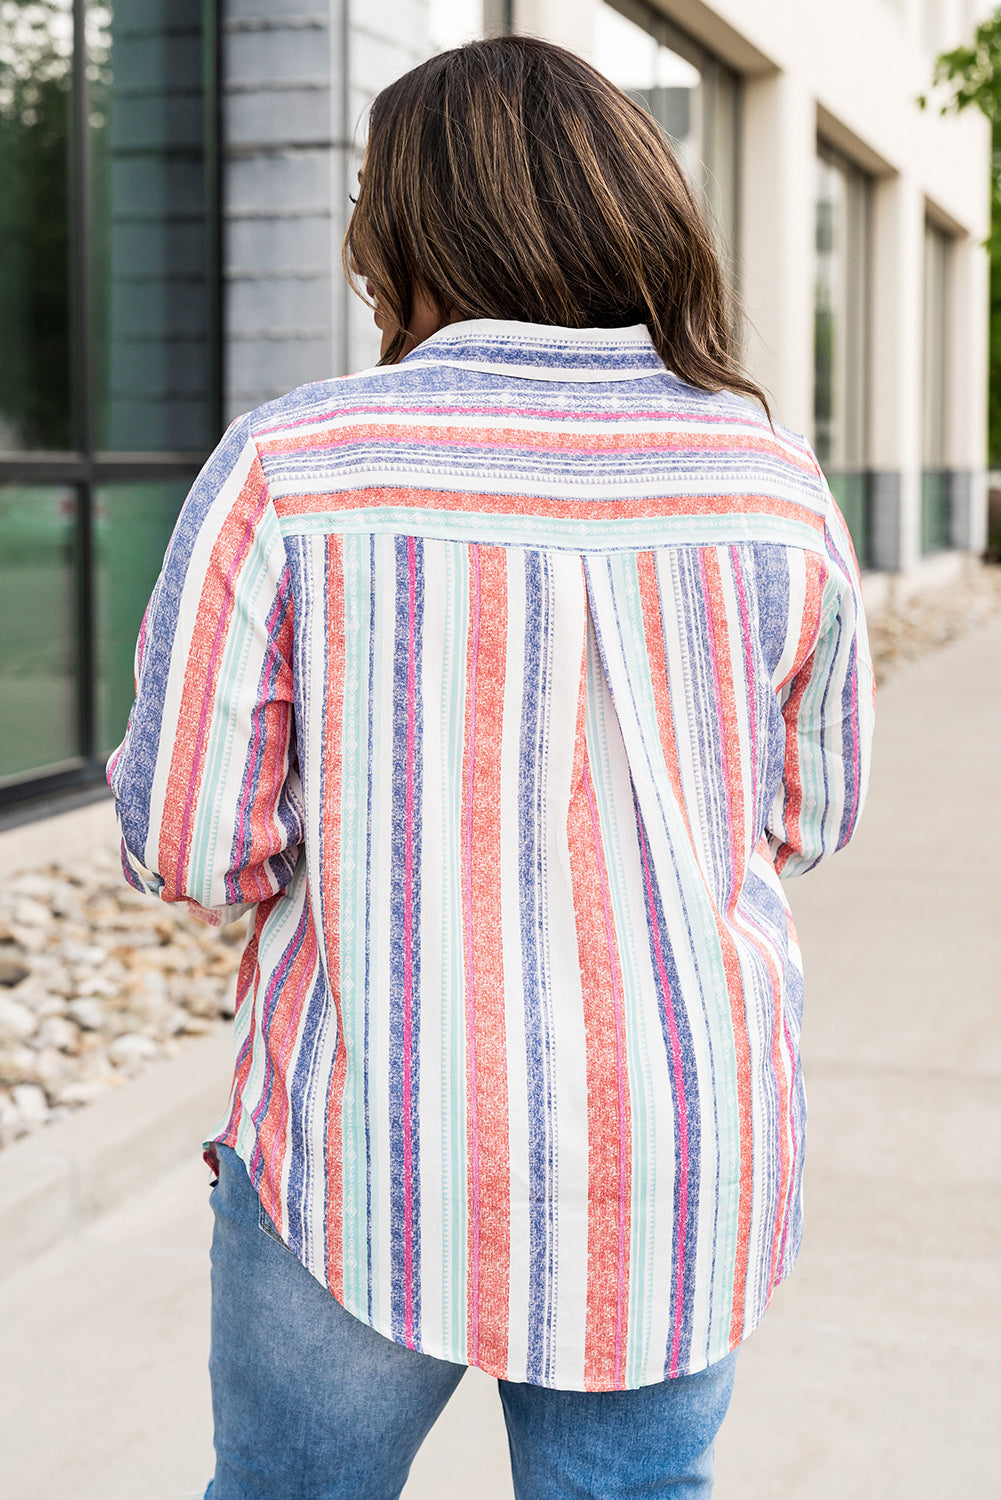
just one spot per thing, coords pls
(503, 681)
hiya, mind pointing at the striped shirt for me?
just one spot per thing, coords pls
(504, 684)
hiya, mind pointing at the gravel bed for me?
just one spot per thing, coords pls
(97, 984)
(905, 632)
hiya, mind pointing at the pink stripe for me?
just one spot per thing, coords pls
(681, 1110)
(620, 1072)
(470, 969)
(408, 960)
(551, 440)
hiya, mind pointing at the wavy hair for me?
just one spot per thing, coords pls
(509, 179)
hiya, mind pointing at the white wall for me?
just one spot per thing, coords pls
(852, 72)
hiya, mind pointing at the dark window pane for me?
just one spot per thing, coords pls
(841, 340)
(38, 691)
(153, 349)
(852, 492)
(132, 525)
(36, 49)
(936, 510)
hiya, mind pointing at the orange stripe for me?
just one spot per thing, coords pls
(489, 1182)
(465, 502)
(453, 437)
(608, 1114)
(201, 672)
(728, 725)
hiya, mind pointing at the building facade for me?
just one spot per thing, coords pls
(175, 178)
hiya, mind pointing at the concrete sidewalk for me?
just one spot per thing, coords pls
(875, 1375)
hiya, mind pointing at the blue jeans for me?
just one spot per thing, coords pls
(311, 1404)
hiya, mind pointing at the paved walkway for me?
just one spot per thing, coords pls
(875, 1375)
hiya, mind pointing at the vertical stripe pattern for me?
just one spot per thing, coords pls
(504, 685)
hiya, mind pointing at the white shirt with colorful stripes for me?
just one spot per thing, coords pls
(504, 683)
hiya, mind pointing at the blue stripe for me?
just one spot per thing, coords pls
(682, 1253)
(402, 1191)
(532, 772)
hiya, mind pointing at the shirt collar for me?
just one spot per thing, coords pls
(536, 351)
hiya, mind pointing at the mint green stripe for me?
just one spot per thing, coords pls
(541, 531)
(455, 566)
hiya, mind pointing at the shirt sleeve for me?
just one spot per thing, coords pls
(828, 705)
(206, 780)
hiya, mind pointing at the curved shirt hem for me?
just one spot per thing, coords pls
(228, 1137)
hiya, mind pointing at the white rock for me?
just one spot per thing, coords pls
(31, 1104)
(132, 1050)
(52, 974)
(197, 1026)
(36, 884)
(83, 955)
(87, 1014)
(56, 1031)
(31, 939)
(117, 1021)
(53, 1068)
(17, 1064)
(16, 1020)
(31, 913)
(98, 984)
(94, 1066)
(11, 1125)
(48, 1005)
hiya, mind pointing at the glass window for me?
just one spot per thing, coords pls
(936, 479)
(38, 615)
(132, 526)
(152, 361)
(841, 333)
(36, 70)
(694, 96)
(110, 349)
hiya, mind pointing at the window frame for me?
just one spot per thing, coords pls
(85, 468)
(852, 475)
(937, 474)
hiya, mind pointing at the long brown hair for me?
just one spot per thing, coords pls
(509, 179)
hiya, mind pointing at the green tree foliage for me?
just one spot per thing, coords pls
(970, 77)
